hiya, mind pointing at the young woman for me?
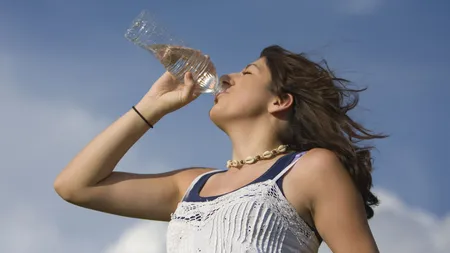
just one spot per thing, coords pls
(297, 175)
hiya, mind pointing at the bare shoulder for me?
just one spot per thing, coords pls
(320, 165)
(302, 182)
(320, 174)
(321, 159)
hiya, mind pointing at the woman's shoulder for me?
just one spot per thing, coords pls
(322, 173)
(317, 161)
(319, 169)
(320, 157)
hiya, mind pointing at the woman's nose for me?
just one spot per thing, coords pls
(226, 81)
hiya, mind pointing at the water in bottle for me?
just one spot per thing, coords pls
(178, 60)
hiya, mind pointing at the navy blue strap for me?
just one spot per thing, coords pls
(271, 173)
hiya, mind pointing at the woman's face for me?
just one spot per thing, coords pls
(246, 94)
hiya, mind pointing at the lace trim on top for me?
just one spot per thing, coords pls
(254, 218)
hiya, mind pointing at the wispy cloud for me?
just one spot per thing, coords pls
(359, 7)
(25, 229)
(402, 228)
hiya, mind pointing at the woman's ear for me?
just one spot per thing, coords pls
(281, 103)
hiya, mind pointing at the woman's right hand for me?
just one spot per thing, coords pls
(167, 94)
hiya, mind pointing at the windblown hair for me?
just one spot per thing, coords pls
(319, 117)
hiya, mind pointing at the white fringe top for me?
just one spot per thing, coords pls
(254, 218)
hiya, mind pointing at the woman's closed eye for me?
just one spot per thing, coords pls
(246, 72)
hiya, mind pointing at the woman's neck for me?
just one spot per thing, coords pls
(252, 139)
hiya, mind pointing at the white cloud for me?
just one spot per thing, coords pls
(24, 229)
(22, 232)
(396, 227)
(144, 237)
(359, 7)
(401, 228)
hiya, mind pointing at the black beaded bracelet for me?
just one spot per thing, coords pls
(142, 117)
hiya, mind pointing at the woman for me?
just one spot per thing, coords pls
(296, 177)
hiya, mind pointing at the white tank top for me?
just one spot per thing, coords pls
(254, 218)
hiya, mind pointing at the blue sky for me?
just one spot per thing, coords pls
(72, 54)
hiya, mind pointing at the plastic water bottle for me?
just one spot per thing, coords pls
(173, 55)
(178, 60)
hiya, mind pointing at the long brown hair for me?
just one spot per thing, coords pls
(319, 117)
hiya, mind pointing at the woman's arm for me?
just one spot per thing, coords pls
(89, 181)
(336, 205)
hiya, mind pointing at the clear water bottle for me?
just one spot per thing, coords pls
(172, 53)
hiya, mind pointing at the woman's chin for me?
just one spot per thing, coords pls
(218, 115)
